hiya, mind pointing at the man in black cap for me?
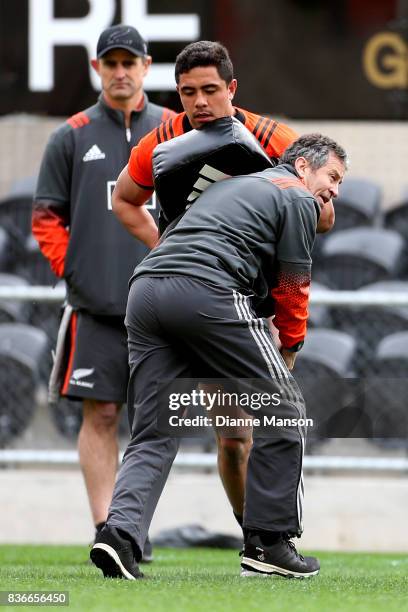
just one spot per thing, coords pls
(77, 231)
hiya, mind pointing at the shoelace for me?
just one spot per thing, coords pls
(288, 542)
(293, 547)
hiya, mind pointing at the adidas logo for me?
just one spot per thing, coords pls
(93, 154)
(207, 176)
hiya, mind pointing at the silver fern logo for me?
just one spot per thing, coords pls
(82, 373)
(79, 374)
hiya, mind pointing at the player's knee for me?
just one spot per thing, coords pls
(101, 416)
(234, 450)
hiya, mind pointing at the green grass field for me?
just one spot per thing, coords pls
(203, 579)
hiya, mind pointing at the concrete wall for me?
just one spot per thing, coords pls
(353, 513)
(378, 150)
(342, 512)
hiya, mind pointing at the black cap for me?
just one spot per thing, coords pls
(121, 37)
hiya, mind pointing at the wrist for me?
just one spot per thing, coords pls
(295, 348)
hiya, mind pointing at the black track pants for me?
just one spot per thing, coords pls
(181, 327)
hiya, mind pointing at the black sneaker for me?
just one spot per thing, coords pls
(113, 554)
(280, 558)
(147, 556)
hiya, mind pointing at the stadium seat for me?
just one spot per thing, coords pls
(319, 315)
(5, 261)
(387, 391)
(47, 317)
(13, 311)
(358, 204)
(34, 266)
(323, 371)
(369, 325)
(21, 351)
(318, 247)
(397, 218)
(361, 256)
(25, 342)
(330, 349)
(17, 204)
(36, 269)
(67, 418)
(15, 214)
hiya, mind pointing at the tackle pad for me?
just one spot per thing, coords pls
(185, 166)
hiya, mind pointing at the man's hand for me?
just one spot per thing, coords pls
(289, 358)
(127, 204)
(275, 333)
(327, 218)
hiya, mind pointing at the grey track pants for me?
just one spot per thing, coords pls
(173, 323)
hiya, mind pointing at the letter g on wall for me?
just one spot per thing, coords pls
(385, 61)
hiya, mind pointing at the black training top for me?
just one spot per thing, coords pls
(73, 219)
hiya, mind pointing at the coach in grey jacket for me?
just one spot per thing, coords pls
(190, 314)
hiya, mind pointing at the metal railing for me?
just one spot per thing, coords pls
(347, 300)
(208, 461)
(318, 298)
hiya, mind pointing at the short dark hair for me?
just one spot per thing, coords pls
(205, 53)
(315, 148)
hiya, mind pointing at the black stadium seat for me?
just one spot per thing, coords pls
(319, 315)
(358, 204)
(397, 219)
(36, 269)
(5, 260)
(328, 348)
(34, 266)
(356, 257)
(370, 324)
(16, 206)
(67, 418)
(323, 371)
(387, 391)
(21, 350)
(13, 311)
(24, 341)
(15, 214)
